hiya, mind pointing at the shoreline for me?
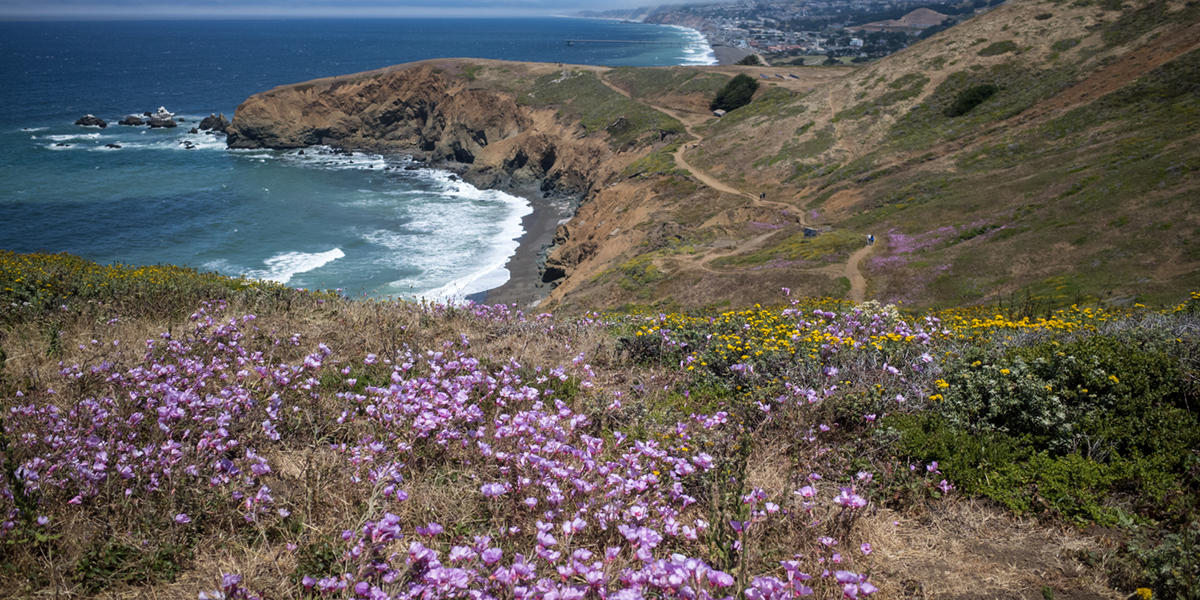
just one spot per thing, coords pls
(524, 286)
(728, 55)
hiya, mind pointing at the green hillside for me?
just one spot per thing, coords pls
(1043, 150)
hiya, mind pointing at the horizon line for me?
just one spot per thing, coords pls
(290, 15)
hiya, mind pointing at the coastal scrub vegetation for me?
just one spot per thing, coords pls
(291, 444)
(736, 94)
(970, 98)
(644, 82)
(581, 95)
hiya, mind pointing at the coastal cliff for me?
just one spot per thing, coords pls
(432, 112)
(1035, 151)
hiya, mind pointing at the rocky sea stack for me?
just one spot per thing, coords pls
(161, 118)
(214, 123)
(90, 120)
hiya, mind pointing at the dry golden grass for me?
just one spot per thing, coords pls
(962, 548)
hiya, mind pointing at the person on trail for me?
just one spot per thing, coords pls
(870, 239)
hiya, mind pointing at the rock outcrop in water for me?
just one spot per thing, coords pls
(214, 123)
(90, 120)
(132, 121)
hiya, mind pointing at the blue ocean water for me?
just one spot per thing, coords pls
(314, 220)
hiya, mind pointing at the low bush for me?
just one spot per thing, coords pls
(998, 48)
(1096, 428)
(969, 98)
(736, 94)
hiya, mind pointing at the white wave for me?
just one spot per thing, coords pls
(323, 157)
(460, 267)
(203, 141)
(198, 141)
(221, 265)
(72, 136)
(698, 51)
(392, 240)
(282, 267)
(33, 129)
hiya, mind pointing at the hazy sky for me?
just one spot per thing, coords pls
(88, 9)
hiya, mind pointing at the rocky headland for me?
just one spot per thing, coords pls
(431, 113)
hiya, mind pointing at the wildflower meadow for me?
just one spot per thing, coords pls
(182, 434)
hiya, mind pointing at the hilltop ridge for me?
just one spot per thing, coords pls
(1039, 150)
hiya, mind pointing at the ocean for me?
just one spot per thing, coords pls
(317, 220)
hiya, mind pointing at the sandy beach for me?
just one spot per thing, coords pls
(524, 285)
(728, 55)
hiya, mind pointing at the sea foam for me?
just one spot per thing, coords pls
(474, 233)
(282, 267)
(698, 51)
(72, 136)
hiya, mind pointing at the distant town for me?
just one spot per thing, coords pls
(783, 32)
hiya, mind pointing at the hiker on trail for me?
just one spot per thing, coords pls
(762, 196)
(870, 239)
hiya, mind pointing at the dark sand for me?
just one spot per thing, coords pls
(524, 286)
(728, 55)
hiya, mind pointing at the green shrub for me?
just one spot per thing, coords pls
(322, 557)
(1091, 429)
(737, 93)
(998, 48)
(1064, 44)
(1170, 567)
(969, 98)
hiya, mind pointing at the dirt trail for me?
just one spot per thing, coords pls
(697, 261)
(688, 122)
(851, 270)
(858, 283)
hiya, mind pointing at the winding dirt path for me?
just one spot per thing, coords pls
(851, 270)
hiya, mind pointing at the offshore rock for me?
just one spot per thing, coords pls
(90, 120)
(132, 121)
(214, 123)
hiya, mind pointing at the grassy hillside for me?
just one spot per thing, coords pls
(277, 443)
(1044, 150)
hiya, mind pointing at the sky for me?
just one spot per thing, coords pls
(119, 9)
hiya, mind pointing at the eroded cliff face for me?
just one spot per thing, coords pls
(433, 112)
